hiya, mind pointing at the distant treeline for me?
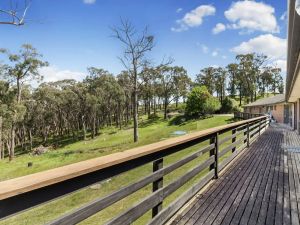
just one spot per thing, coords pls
(72, 108)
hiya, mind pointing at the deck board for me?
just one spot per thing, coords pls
(261, 187)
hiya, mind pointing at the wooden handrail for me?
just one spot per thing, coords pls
(38, 180)
(39, 188)
(245, 115)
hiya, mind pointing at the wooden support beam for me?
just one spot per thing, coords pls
(233, 139)
(158, 184)
(248, 136)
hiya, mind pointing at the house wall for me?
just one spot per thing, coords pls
(276, 110)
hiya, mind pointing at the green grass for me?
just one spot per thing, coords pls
(111, 140)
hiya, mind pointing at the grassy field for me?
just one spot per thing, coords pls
(111, 140)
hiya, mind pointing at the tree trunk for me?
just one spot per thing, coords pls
(94, 127)
(165, 107)
(12, 144)
(8, 147)
(83, 128)
(154, 106)
(30, 139)
(149, 107)
(240, 92)
(135, 116)
(1, 143)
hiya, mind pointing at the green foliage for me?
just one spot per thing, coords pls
(153, 116)
(201, 103)
(229, 105)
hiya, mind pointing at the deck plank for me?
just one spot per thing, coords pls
(260, 187)
(218, 186)
(234, 203)
(252, 189)
(217, 201)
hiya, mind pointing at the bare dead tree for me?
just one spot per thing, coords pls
(136, 46)
(15, 15)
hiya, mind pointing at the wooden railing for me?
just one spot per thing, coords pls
(245, 116)
(218, 147)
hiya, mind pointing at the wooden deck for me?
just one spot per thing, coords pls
(261, 187)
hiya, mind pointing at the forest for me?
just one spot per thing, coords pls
(74, 108)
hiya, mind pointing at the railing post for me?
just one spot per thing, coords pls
(248, 135)
(215, 152)
(233, 139)
(259, 127)
(157, 165)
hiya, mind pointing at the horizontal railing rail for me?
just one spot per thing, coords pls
(25, 192)
(245, 116)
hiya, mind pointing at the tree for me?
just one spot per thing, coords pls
(265, 80)
(149, 79)
(249, 72)
(23, 66)
(232, 69)
(200, 102)
(229, 105)
(276, 81)
(182, 85)
(207, 78)
(136, 46)
(169, 78)
(220, 82)
(15, 15)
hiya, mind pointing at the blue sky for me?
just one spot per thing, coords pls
(75, 34)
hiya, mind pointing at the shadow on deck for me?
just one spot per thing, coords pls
(260, 187)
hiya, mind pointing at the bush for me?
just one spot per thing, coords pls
(200, 103)
(229, 105)
(153, 116)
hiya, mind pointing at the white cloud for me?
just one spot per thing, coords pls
(224, 57)
(178, 10)
(218, 28)
(215, 53)
(268, 44)
(194, 18)
(252, 16)
(52, 73)
(89, 1)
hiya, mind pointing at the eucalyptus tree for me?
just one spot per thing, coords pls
(6, 112)
(182, 84)
(232, 69)
(125, 81)
(265, 80)
(220, 83)
(250, 66)
(149, 80)
(167, 77)
(136, 46)
(109, 97)
(81, 91)
(206, 78)
(23, 67)
(276, 81)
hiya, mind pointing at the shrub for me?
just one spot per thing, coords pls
(153, 116)
(200, 102)
(229, 105)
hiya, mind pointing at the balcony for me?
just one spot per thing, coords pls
(241, 173)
